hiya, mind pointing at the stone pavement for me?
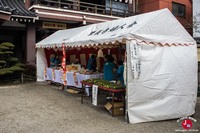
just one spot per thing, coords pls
(42, 108)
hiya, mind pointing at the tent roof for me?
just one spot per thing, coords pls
(158, 27)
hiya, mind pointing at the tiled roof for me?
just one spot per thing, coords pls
(3, 8)
(15, 7)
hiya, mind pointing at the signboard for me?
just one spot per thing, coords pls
(51, 25)
(196, 18)
(94, 94)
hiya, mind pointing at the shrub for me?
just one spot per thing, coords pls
(8, 63)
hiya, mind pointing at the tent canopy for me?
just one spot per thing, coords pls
(161, 81)
(153, 27)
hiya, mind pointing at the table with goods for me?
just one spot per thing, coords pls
(72, 77)
(110, 88)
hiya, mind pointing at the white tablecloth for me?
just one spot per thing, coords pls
(48, 75)
(73, 79)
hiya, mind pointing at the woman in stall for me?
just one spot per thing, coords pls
(55, 61)
(120, 72)
(108, 68)
(92, 63)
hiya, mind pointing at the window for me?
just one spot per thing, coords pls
(117, 6)
(178, 9)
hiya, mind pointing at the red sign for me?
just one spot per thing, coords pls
(187, 124)
(64, 58)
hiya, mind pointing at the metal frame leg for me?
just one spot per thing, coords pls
(82, 93)
(113, 96)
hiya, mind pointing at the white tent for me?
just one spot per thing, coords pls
(161, 62)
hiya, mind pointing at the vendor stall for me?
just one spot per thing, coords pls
(73, 78)
(160, 66)
(110, 88)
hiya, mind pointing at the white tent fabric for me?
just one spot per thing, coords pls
(162, 81)
(56, 39)
(161, 62)
(153, 27)
(41, 63)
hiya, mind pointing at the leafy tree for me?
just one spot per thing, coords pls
(8, 63)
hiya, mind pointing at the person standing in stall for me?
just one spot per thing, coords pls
(120, 72)
(52, 56)
(92, 63)
(108, 68)
(54, 61)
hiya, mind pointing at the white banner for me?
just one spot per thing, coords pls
(135, 59)
(94, 94)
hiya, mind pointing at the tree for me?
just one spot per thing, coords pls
(8, 63)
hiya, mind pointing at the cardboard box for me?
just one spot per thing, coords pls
(73, 91)
(118, 108)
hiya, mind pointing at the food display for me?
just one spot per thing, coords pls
(73, 68)
(79, 69)
(104, 83)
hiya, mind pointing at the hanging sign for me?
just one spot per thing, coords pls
(94, 94)
(51, 25)
(135, 60)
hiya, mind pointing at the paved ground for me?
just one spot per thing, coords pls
(41, 108)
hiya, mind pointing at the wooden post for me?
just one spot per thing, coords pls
(22, 78)
(64, 65)
(76, 5)
(37, 2)
(59, 4)
(113, 104)
(136, 6)
(95, 8)
(111, 7)
(27, 3)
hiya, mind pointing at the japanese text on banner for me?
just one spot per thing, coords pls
(94, 94)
